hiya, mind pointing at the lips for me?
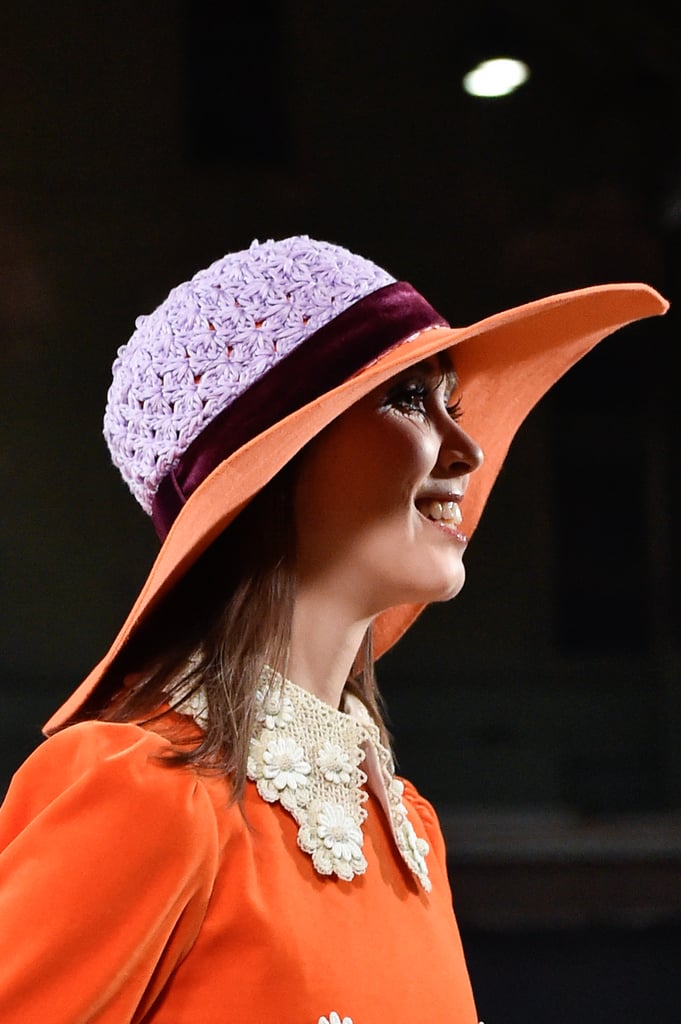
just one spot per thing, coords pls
(448, 511)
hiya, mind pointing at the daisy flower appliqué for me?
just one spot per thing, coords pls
(413, 848)
(280, 770)
(334, 1018)
(275, 709)
(333, 840)
(315, 760)
(334, 763)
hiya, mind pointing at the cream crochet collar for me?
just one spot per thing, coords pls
(306, 755)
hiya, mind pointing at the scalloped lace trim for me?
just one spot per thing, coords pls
(306, 755)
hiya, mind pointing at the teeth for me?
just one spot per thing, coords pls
(448, 511)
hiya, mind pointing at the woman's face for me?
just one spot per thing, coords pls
(378, 501)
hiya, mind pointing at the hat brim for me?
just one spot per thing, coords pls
(505, 364)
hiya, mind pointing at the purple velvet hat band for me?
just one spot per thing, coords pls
(331, 355)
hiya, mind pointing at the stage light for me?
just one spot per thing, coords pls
(496, 77)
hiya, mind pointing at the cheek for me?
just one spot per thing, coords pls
(319, 500)
(356, 477)
(348, 480)
(334, 494)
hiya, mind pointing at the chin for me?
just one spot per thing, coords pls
(423, 581)
(450, 589)
(435, 592)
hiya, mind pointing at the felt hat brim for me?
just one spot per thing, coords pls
(505, 364)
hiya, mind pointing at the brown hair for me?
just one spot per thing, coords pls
(227, 618)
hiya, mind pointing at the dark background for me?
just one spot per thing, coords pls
(541, 711)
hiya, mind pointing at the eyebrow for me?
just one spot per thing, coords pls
(442, 364)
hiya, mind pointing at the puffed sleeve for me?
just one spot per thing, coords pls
(107, 861)
(428, 818)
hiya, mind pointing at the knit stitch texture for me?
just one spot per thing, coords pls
(212, 337)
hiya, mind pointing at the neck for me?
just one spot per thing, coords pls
(324, 645)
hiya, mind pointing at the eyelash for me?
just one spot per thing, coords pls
(411, 397)
(455, 410)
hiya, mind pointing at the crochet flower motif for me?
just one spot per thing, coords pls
(396, 788)
(280, 770)
(196, 705)
(333, 840)
(214, 336)
(307, 756)
(414, 849)
(275, 711)
(334, 763)
(334, 1018)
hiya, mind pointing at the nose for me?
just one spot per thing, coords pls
(459, 453)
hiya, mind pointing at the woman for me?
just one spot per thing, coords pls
(213, 829)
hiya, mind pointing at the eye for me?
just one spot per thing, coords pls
(454, 409)
(409, 396)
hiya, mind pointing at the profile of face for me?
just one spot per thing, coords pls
(378, 500)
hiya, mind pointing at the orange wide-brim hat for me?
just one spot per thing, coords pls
(504, 363)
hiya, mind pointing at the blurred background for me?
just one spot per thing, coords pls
(542, 710)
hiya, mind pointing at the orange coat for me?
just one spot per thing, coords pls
(130, 891)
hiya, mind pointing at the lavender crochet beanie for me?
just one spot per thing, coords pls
(212, 338)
